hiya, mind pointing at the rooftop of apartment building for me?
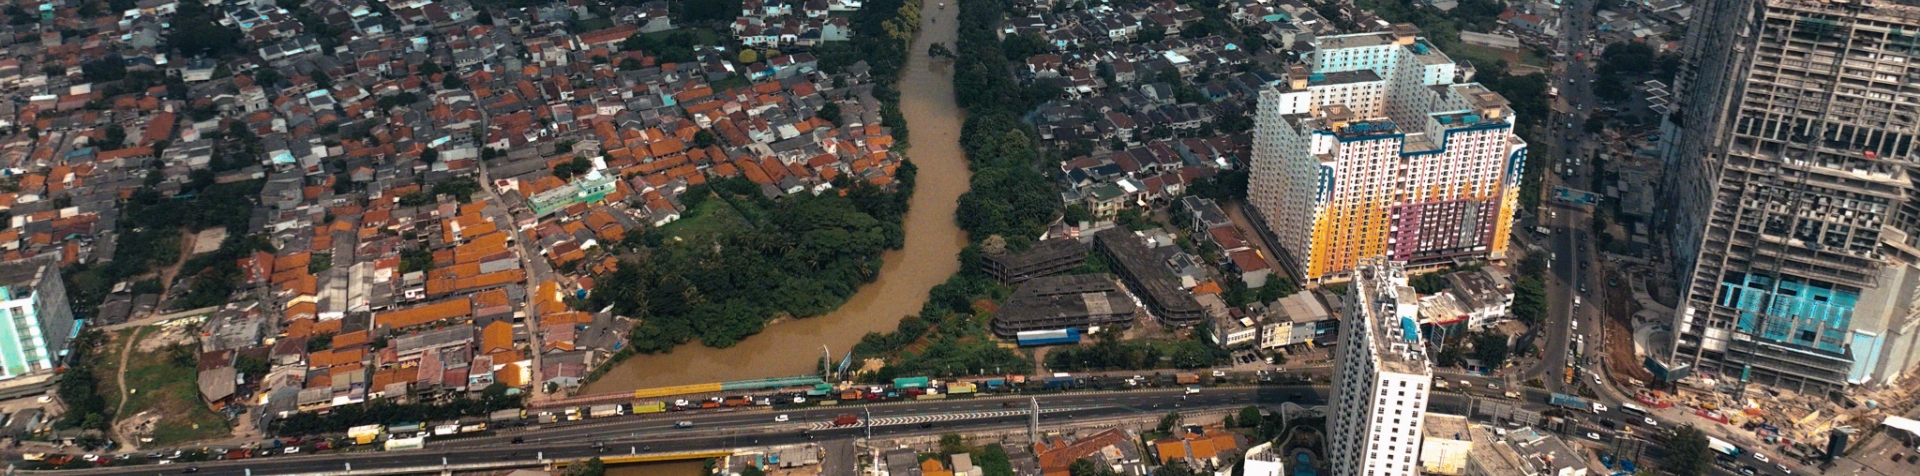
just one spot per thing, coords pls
(24, 274)
(1381, 287)
(1343, 77)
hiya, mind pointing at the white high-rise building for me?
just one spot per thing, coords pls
(1381, 376)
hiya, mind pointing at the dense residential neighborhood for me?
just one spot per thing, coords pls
(933, 237)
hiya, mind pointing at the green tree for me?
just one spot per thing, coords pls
(592, 467)
(1150, 34)
(830, 112)
(253, 368)
(1250, 416)
(1429, 283)
(1077, 213)
(115, 138)
(1169, 422)
(752, 470)
(1529, 300)
(1686, 450)
(1176, 468)
(1275, 288)
(1491, 348)
(567, 170)
(1086, 467)
(266, 76)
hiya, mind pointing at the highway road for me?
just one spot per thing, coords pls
(655, 433)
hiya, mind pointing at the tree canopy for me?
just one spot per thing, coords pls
(801, 256)
(1685, 450)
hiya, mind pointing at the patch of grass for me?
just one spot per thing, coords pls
(711, 218)
(1486, 55)
(172, 391)
(705, 36)
(593, 24)
(738, 81)
(106, 370)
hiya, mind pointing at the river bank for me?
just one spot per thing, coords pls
(929, 256)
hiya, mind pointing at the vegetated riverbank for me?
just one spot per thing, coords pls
(925, 102)
(1008, 203)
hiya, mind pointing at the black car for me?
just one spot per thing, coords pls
(191, 469)
(519, 440)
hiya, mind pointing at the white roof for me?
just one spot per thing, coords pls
(1909, 426)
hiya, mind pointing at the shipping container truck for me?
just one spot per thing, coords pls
(910, 382)
(1058, 383)
(364, 434)
(1188, 379)
(960, 388)
(846, 419)
(604, 411)
(1053, 337)
(547, 417)
(649, 407)
(1569, 401)
(508, 415)
(446, 429)
(736, 402)
(1722, 446)
(403, 444)
(404, 428)
(474, 427)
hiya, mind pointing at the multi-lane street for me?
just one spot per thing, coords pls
(725, 430)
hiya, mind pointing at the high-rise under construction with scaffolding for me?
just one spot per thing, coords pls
(1807, 272)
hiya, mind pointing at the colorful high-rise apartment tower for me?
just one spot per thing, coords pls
(1375, 151)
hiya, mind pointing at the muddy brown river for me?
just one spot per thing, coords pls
(930, 255)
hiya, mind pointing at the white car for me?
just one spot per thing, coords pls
(780, 419)
(681, 402)
(1761, 457)
(1651, 422)
(1593, 436)
(164, 461)
(1219, 373)
(799, 399)
(1596, 380)
(1193, 390)
(291, 450)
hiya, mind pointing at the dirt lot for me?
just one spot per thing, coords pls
(164, 402)
(1620, 359)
